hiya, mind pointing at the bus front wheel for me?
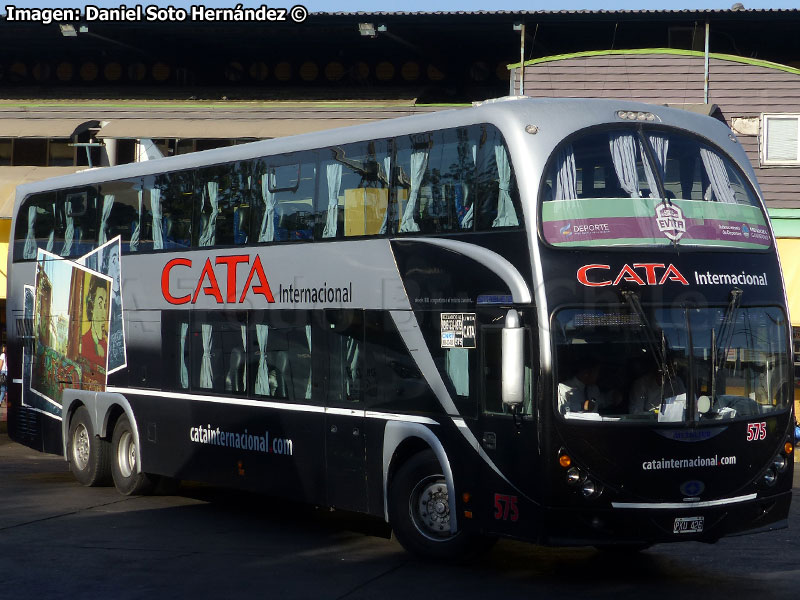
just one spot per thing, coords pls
(89, 455)
(419, 512)
(124, 461)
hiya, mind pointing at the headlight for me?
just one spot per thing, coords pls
(779, 463)
(589, 488)
(573, 476)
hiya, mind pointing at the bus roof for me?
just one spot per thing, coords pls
(554, 118)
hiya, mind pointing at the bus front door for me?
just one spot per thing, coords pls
(509, 440)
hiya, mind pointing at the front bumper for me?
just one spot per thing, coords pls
(651, 524)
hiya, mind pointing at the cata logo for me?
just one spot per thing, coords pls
(671, 223)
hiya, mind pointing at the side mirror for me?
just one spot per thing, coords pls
(513, 360)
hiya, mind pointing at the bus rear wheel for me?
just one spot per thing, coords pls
(419, 512)
(124, 462)
(89, 455)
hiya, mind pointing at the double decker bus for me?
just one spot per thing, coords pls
(561, 321)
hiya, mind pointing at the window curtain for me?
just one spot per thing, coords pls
(419, 163)
(69, 232)
(353, 352)
(718, 176)
(158, 221)
(334, 174)
(506, 215)
(623, 154)
(267, 231)
(387, 169)
(244, 347)
(137, 228)
(660, 145)
(456, 365)
(567, 175)
(108, 203)
(184, 367)
(209, 234)
(467, 219)
(308, 386)
(29, 251)
(262, 374)
(206, 374)
(51, 239)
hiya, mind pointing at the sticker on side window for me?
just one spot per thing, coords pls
(458, 330)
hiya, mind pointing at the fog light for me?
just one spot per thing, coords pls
(573, 476)
(589, 488)
(779, 463)
(770, 477)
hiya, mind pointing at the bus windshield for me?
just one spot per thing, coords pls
(632, 187)
(670, 365)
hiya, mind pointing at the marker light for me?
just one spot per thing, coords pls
(788, 447)
(466, 497)
(564, 460)
(635, 115)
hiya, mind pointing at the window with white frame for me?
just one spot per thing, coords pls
(780, 139)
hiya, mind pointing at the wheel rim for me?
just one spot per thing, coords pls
(429, 506)
(126, 454)
(80, 447)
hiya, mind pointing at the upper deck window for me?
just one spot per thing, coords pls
(62, 222)
(626, 187)
(456, 180)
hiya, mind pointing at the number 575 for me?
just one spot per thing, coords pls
(756, 431)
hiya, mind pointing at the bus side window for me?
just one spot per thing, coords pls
(345, 354)
(78, 209)
(121, 204)
(285, 191)
(171, 213)
(36, 225)
(436, 181)
(354, 190)
(279, 355)
(498, 196)
(222, 204)
(218, 346)
(393, 381)
(176, 349)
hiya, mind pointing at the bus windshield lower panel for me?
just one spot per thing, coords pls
(671, 365)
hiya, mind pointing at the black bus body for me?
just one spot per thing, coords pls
(561, 321)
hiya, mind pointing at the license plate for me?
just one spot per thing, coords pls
(688, 525)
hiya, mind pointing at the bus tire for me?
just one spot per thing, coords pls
(419, 512)
(89, 455)
(123, 462)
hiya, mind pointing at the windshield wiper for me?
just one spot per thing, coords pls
(658, 351)
(720, 344)
(653, 165)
